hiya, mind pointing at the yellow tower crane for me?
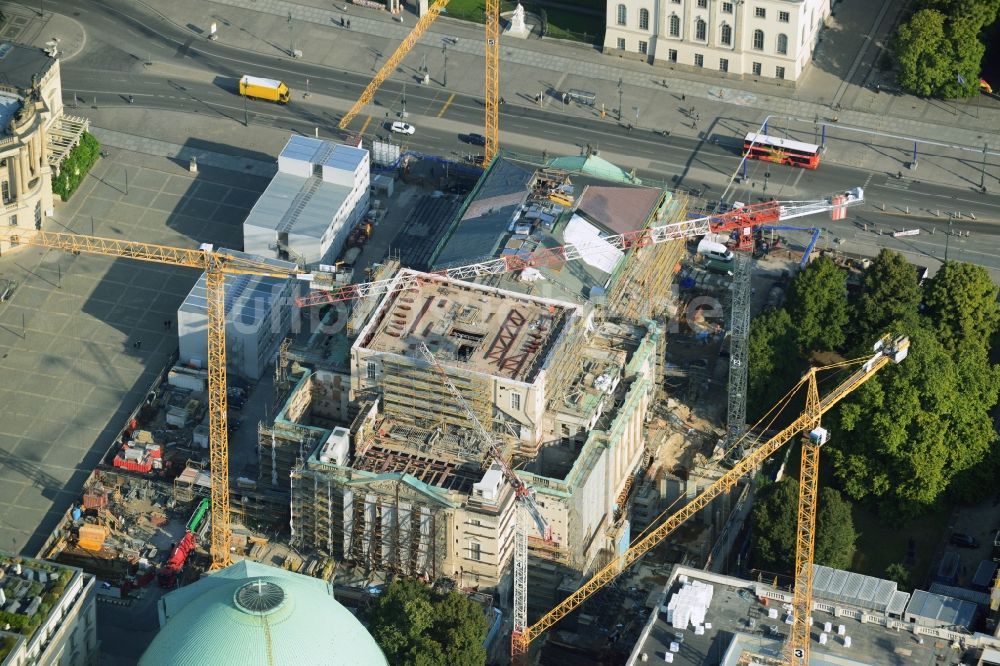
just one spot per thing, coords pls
(886, 350)
(492, 88)
(216, 264)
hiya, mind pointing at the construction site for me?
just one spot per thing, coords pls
(524, 379)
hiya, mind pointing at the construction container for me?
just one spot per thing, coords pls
(177, 417)
(92, 537)
(188, 378)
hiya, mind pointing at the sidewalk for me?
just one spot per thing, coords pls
(534, 66)
(530, 67)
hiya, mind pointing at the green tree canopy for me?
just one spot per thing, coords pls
(817, 303)
(902, 437)
(773, 361)
(899, 573)
(962, 303)
(940, 42)
(890, 297)
(774, 519)
(416, 626)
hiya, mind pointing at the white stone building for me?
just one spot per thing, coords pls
(319, 194)
(759, 39)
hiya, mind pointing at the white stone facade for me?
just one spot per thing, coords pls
(759, 39)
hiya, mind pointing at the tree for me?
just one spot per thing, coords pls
(775, 525)
(817, 303)
(416, 626)
(890, 297)
(939, 48)
(921, 51)
(961, 300)
(772, 359)
(900, 574)
(903, 437)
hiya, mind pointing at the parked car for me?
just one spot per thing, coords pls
(475, 139)
(402, 128)
(964, 540)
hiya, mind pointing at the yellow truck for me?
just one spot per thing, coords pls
(273, 90)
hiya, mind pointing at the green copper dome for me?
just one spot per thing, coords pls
(251, 613)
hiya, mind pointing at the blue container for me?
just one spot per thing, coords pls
(76, 513)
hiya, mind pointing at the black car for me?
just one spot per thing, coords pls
(475, 139)
(964, 540)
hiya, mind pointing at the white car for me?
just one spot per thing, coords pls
(403, 128)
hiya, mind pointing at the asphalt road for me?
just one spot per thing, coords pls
(203, 79)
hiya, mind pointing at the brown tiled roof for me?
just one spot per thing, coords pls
(618, 209)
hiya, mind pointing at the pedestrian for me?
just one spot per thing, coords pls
(348, 24)
(683, 97)
(167, 323)
(131, 99)
(343, 22)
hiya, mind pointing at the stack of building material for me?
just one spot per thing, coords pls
(95, 499)
(139, 458)
(92, 537)
(690, 605)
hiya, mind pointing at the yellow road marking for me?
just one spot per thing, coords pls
(365, 126)
(446, 105)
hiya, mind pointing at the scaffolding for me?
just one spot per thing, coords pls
(641, 286)
(415, 394)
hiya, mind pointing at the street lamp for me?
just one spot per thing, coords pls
(444, 77)
(619, 99)
(982, 174)
(947, 240)
(291, 36)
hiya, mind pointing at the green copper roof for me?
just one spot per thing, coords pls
(593, 165)
(251, 613)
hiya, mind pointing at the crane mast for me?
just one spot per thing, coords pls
(886, 350)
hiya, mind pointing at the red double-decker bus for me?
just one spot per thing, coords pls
(781, 151)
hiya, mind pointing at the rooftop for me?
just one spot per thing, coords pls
(31, 589)
(247, 297)
(736, 621)
(473, 327)
(19, 63)
(298, 206)
(251, 613)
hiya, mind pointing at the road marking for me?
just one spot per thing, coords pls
(365, 126)
(446, 105)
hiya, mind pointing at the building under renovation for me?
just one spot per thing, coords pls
(379, 430)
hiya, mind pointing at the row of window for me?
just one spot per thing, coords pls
(725, 37)
(699, 61)
(727, 8)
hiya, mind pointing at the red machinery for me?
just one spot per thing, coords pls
(167, 575)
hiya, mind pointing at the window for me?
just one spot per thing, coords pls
(726, 35)
(371, 370)
(782, 44)
(758, 40)
(760, 12)
(727, 8)
(644, 19)
(699, 60)
(672, 55)
(783, 17)
(723, 65)
(700, 30)
(13, 220)
(675, 25)
(643, 46)
(475, 551)
(621, 43)
(703, 3)
(5, 191)
(677, 2)
(515, 401)
(622, 14)
(779, 72)
(756, 69)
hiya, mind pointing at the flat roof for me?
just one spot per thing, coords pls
(740, 622)
(23, 591)
(18, 63)
(298, 206)
(941, 610)
(246, 296)
(465, 325)
(321, 151)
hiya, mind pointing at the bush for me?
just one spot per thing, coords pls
(76, 165)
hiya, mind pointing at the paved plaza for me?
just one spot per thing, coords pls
(83, 336)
